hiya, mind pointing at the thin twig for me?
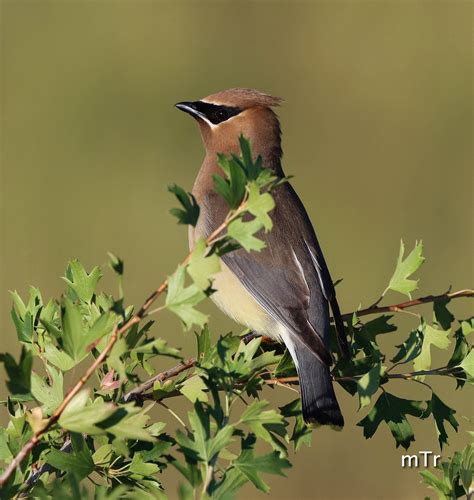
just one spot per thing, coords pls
(409, 303)
(160, 377)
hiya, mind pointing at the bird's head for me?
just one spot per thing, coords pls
(224, 116)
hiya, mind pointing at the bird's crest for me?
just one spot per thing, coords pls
(243, 98)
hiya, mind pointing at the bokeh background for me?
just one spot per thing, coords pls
(377, 125)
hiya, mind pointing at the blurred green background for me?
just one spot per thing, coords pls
(377, 125)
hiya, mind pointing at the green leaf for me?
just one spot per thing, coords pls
(18, 302)
(58, 357)
(252, 466)
(243, 233)
(232, 481)
(368, 385)
(157, 346)
(102, 326)
(202, 267)
(286, 366)
(222, 438)
(50, 395)
(24, 327)
(259, 205)
(264, 422)
(468, 363)
(432, 481)
(467, 326)
(431, 336)
(232, 189)
(116, 263)
(139, 466)
(83, 418)
(81, 283)
(181, 300)
(393, 411)
(442, 413)
(189, 214)
(194, 389)
(368, 332)
(5, 452)
(72, 328)
(410, 349)
(467, 466)
(129, 422)
(79, 462)
(302, 433)
(442, 315)
(19, 375)
(399, 282)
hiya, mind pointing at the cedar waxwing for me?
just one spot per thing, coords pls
(284, 291)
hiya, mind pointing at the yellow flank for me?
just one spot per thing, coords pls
(235, 301)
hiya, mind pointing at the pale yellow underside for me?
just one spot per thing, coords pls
(235, 301)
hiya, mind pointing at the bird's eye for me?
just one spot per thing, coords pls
(222, 114)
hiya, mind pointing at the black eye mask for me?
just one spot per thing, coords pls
(212, 112)
(215, 113)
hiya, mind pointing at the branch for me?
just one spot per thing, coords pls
(160, 377)
(375, 309)
(116, 334)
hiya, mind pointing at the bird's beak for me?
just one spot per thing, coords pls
(190, 108)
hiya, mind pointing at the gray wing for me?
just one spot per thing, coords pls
(289, 277)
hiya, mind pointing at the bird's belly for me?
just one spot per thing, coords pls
(235, 301)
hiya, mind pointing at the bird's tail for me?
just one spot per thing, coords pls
(317, 393)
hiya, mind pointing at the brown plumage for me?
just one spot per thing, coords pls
(285, 290)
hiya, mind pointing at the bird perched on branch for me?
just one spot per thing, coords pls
(285, 290)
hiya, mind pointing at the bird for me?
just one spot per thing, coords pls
(284, 291)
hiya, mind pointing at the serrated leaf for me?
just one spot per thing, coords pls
(78, 462)
(50, 395)
(80, 282)
(286, 366)
(252, 466)
(243, 233)
(432, 481)
(441, 414)
(468, 363)
(202, 267)
(467, 326)
(232, 481)
(24, 327)
(80, 417)
(368, 385)
(431, 336)
(221, 439)
(116, 263)
(399, 282)
(264, 422)
(393, 411)
(467, 466)
(232, 189)
(442, 315)
(139, 466)
(189, 214)
(410, 349)
(19, 374)
(58, 357)
(194, 389)
(259, 205)
(181, 300)
(73, 329)
(131, 425)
